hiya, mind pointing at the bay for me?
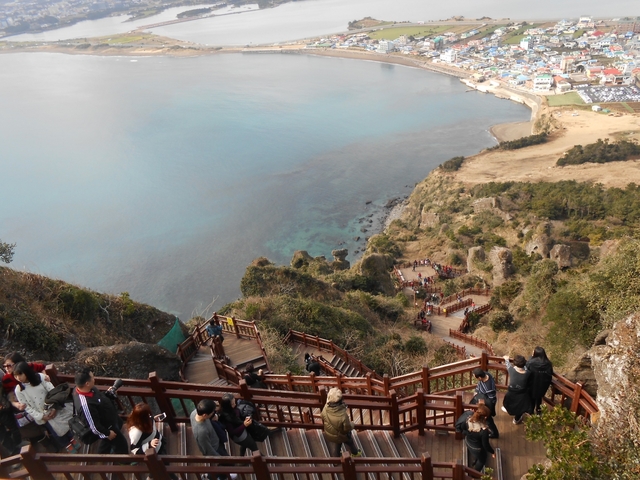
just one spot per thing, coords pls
(165, 177)
(310, 18)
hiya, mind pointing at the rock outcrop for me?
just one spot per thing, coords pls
(561, 254)
(475, 255)
(429, 219)
(582, 372)
(616, 366)
(340, 262)
(376, 267)
(540, 244)
(502, 261)
(129, 360)
(300, 259)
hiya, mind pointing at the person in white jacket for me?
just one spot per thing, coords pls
(31, 391)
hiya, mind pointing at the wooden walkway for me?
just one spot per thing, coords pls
(240, 350)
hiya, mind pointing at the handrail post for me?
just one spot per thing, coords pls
(421, 416)
(36, 468)
(163, 402)
(426, 382)
(348, 466)
(458, 470)
(157, 469)
(575, 401)
(244, 390)
(386, 383)
(459, 409)
(395, 414)
(260, 468)
(426, 466)
(369, 387)
(53, 373)
(484, 361)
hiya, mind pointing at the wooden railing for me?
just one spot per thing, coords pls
(43, 466)
(199, 336)
(329, 347)
(430, 399)
(486, 292)
(471, 340)
(481, 310)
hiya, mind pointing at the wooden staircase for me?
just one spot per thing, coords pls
(344, 368)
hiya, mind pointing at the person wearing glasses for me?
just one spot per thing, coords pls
(9, 382)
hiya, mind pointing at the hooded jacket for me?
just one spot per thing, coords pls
(337, 424)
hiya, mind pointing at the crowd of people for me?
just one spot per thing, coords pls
(28, 399)
(528, 383)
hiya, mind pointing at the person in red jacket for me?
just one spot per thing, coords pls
(9, 382)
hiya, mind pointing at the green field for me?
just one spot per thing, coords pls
(571, 98)
(420, 31)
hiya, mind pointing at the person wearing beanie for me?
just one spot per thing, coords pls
(337, 425)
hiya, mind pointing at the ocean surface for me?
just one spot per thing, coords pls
(165, 177)
(309, 18)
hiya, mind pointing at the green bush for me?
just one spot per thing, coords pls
(79, 304)
(502, 320)
(600, 152)
(522, 142)
(572, 318)
(452, 165)
(415, 345)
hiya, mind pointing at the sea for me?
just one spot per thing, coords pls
(165, 177)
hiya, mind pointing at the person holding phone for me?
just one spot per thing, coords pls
(143, 434)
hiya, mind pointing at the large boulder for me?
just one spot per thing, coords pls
(540, 243)
(582, 372)
(616, 366)
(376, 267)
(502, 260)
(475, 255)
(130, 360)
(484, 204)
(561, 254)
(429, 219)
(300, 259)
(340, 262)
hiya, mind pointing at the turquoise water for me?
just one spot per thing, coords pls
(165, 177)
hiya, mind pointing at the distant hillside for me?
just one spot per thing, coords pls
(53, 320)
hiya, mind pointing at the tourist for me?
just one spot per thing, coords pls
(337, 425)
(207, 437)
(311, 364)
(10, 437)
(415, 264)
(541, 370)
(254, 379)
(214, 329)
(475, 429)
(100, 414)
(143, 433)
(31, 391)
(236, 425)
(9, 382)
(486, 395)
(517, 401)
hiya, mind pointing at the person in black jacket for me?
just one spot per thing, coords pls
(476, 436)
(100, 413)
(541, 370)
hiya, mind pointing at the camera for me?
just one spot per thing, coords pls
(113, 389)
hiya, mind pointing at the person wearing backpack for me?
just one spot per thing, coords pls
(99, 413)
(32, 391)
(474, 427)
(237, 423)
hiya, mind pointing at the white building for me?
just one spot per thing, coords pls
(386, 46)
(449, 56)
(542, 82)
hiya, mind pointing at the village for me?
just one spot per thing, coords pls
(567, 56)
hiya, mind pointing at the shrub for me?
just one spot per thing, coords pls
(452, 165)
(523, 142)
(572, 317)
(600, 152)
(415, 345)
(502, 320)
(79, 304)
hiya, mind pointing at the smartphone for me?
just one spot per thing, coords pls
(160, 417)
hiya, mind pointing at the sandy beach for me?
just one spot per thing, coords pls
(538, 163)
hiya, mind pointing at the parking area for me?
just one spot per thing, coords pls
(591, 94)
